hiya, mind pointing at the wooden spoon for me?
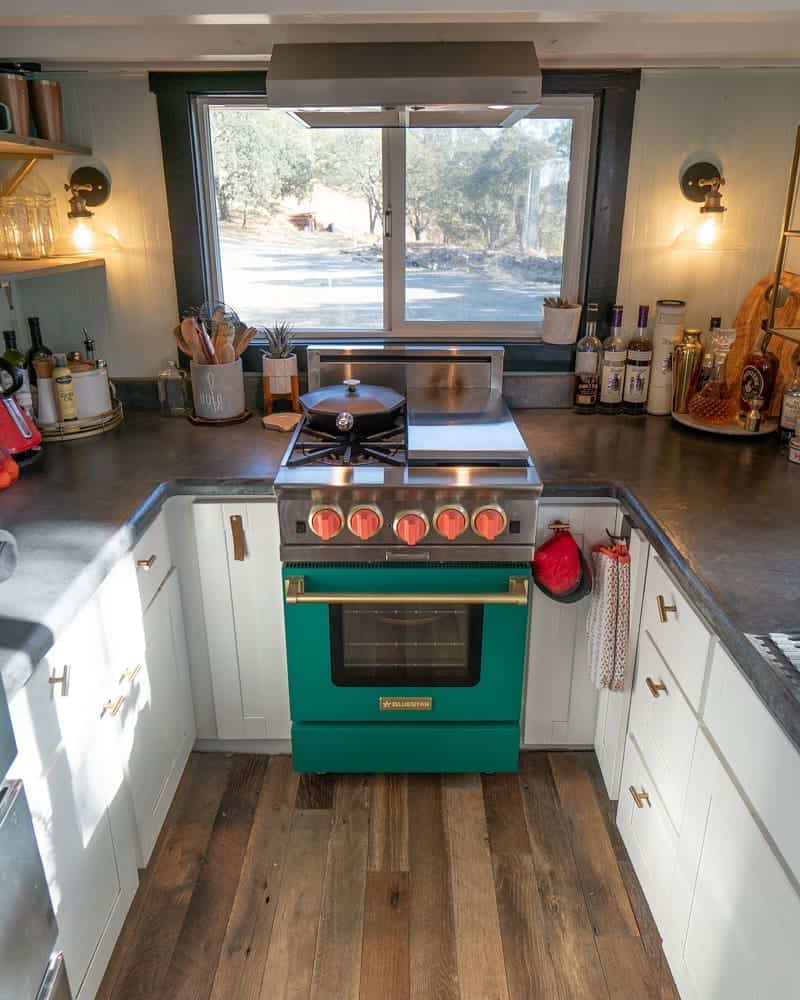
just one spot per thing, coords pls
(243, 341)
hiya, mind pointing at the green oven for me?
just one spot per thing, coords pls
(406, 667)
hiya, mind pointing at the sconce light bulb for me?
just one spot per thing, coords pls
(83, 238)
(707, 232)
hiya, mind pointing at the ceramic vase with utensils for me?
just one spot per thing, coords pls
(218, 390)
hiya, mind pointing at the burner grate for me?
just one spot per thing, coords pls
(779, 647)
(316, 447)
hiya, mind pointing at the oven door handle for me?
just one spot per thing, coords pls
(517, 594)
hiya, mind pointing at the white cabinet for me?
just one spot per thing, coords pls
(560, 699)
(238, 549)
(149, 693)
(74, 784)
(736, 913)
(613, 706)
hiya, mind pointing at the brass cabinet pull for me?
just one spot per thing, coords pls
(664, 609)
(112, 707)
(639, 797)
(655, 688)
(63, 680)
(131, 675)
(517, 594)
(145, 565)
(237, 533)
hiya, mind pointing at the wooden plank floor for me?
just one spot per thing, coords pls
(267, 885)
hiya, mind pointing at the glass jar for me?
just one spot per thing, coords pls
(46, 227)
(22, 227)
(173, 392)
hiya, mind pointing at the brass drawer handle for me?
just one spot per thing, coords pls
(145, 565)
(517, 594)
(664, 609)
(639, 797)
(131, 675)
(112, 707)
(54, 680)
(237, 534)
(655, 688)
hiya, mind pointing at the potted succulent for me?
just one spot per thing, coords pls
(561, 321)
(279, 364)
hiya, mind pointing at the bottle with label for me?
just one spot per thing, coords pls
(637, 366)
(667, 331)
(587, 364)
(758, 375)
(14, 356)
(707, 366)
(64, 390)
(37, 350)
(612, 373)
(790, 410)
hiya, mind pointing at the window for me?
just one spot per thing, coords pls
(305, 225)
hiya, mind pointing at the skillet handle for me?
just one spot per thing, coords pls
(15, 374)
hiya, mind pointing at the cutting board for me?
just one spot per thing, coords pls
(751, 312)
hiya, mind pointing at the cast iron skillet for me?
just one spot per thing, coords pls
(365, 409)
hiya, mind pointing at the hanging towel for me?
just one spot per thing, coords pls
(608, 620)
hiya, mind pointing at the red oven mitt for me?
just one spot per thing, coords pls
(560, 569)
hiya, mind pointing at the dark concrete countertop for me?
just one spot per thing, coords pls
(721, 513)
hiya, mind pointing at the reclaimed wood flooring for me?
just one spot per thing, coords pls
(268, 885)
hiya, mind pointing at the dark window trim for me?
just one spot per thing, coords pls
(614, 93)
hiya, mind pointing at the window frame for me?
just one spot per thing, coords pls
(579, 108)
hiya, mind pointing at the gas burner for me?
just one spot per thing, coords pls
(316, 447)
(779, 648)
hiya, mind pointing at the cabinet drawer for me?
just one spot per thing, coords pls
(664, 726)
(765, 762)
(648, 835)
(153, 559)
(676, 629)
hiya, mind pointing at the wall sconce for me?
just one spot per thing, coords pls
(701, 183)
(88, 188)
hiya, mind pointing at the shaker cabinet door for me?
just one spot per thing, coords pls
(560, 700)
(238, 548)
(736, 911)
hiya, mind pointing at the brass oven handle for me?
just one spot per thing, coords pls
(237, 535)
(639, 797)
(146, 564)
(655, 687)
(664, 609)
(63, 680)
(112, 707)
(517, 595)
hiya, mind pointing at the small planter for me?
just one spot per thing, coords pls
(218, 390)
(279, 371)
(561, 325)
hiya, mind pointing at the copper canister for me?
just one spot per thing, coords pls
(48, 110)
(687, 359)
(14, 94)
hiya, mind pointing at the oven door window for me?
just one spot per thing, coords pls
(424, 646)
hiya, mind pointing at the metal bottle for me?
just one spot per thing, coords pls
(686, 363)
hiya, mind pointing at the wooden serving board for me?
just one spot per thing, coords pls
(751, 312)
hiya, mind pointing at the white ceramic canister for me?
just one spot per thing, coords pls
(668, 330)
(92, 393)
(218, 390)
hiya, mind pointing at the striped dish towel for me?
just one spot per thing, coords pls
(608, 621)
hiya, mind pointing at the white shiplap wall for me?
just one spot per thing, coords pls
(746, 120)
(131, 307)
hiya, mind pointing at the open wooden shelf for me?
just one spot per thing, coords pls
(25, 146)
(19, 270)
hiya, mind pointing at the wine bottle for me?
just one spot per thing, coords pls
(587, 364)
(38, 350)
(612, 376)
(637, 367)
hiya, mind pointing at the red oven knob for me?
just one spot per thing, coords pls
(365, 522)
(489, 522)
(326, 522)
(411, 526)
(451, 522)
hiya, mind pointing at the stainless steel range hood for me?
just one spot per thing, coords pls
(402, 84)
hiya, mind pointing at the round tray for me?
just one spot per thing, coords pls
(734, 428)
(86, 428)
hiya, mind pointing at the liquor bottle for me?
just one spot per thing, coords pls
(587, 364)
(14, 356)
(37, 350)
(637, 366)
(790, 410)
(758, 376)
(707, 366)
(612, 373)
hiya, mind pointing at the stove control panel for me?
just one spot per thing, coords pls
(411, 526)
(365, 521)
(326, 522)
